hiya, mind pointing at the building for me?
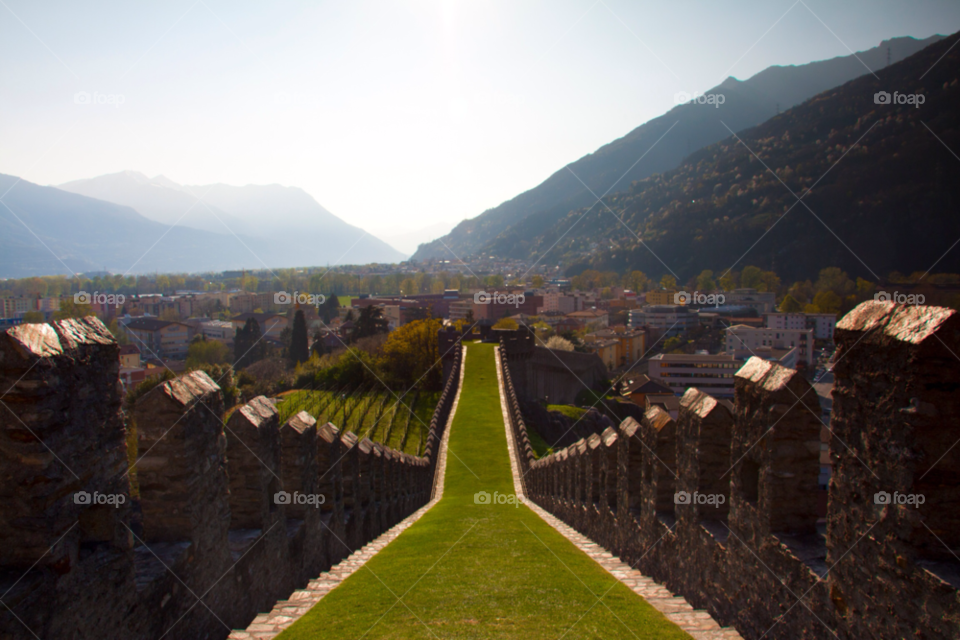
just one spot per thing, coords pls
(219, 330)
(666, 320)
(590, 318)
(712, 374)
(129, 356)
(822, 324)
(743, 341)
(761, 301)
(556, 301)
(608, 351)
(631, 344)
(661, 297)
(666, 401)
(159, 338)
(638, 386)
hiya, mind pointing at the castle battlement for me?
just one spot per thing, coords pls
(224, 518)
(721, 505)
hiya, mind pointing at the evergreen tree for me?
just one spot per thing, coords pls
(328, 310)
(299, 349)
(370, 322)
(247, 346)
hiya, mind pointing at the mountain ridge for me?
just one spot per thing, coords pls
(615, 164)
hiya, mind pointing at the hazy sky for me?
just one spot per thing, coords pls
(400, 113)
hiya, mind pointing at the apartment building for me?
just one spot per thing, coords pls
(822, 324)
(761, 301)
(159, 338)
(742, 342)
(631, 345)
(667, 320)
(659, 298)
(219, 330)
(712, 374)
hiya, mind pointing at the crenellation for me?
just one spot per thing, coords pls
(210, 519)
(747, 545)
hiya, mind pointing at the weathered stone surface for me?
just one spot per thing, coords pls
(879, 569)
(98, 573)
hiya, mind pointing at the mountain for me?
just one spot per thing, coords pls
(292, 229)
(662, 143)
(46, 231)
(878, 180)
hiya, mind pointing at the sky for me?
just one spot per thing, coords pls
(393, 115)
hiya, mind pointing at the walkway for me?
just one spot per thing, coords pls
(468, 570)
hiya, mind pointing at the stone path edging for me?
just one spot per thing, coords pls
(285, 612)
(697, 622)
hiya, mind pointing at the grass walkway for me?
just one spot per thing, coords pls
(481, 571)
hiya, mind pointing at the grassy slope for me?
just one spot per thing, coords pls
(481, 571)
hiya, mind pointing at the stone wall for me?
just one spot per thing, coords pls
(556, 375)
(721, 505)
(221, 534)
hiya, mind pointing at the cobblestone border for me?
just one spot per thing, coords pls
(285, 612)
(697, 622)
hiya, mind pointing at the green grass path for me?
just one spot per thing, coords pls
(481, 571)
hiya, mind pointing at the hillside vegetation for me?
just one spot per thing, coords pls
(879, 190)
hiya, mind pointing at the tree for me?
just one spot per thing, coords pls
(329, 309)
(506, 323)
(559, 344)
(537, 282)
(33, 317)
(319, 347)
(790, 305)
(728, 281)
(705, 281)
(70, 309)
(206, 352)
(750, 278)
(299, 348)
(827, 302)
(370, 323)
(411, 356)
(247, 344)
(668, 282)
